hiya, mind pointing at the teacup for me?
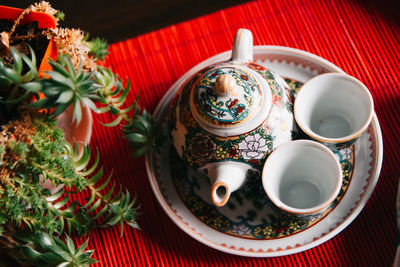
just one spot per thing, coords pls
(334, 109)
(302, 178)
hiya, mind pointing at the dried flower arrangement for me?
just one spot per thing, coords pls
(34, 149)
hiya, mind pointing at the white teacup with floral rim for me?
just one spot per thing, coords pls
(302, 178)
(334, 109)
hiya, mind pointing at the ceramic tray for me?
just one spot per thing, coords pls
(248, 225)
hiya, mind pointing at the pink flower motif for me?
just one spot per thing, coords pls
(253, 147)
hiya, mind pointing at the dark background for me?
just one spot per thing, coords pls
(116, 20)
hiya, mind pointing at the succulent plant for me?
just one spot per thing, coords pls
(143, 132)
(65, 86)
(19, 80)
(112, 96)
(42, 249)
(98, 48)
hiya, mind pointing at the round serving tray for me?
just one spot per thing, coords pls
(244, 227)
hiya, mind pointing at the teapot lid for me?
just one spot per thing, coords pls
(226, 97)
(231, 98)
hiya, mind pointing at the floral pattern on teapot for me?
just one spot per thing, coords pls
(199, 147)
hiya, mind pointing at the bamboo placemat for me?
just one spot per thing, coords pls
(361, 38)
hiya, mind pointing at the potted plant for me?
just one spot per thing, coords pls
(31, 25)
(33, 219)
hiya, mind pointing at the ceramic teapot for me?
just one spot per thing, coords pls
(227, 118)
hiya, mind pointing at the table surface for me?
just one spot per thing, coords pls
(362, 38)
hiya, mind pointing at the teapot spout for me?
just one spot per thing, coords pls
(226, 177)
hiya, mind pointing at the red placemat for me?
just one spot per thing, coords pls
(361, 38)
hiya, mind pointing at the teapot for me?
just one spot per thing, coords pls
(227, 118)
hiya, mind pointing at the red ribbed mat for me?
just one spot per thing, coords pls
(362, 39)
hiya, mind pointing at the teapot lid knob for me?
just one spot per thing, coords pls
(225, 85)
(242, 51)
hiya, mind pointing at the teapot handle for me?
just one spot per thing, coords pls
(242, 50)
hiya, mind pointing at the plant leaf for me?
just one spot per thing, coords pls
(65, 97)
